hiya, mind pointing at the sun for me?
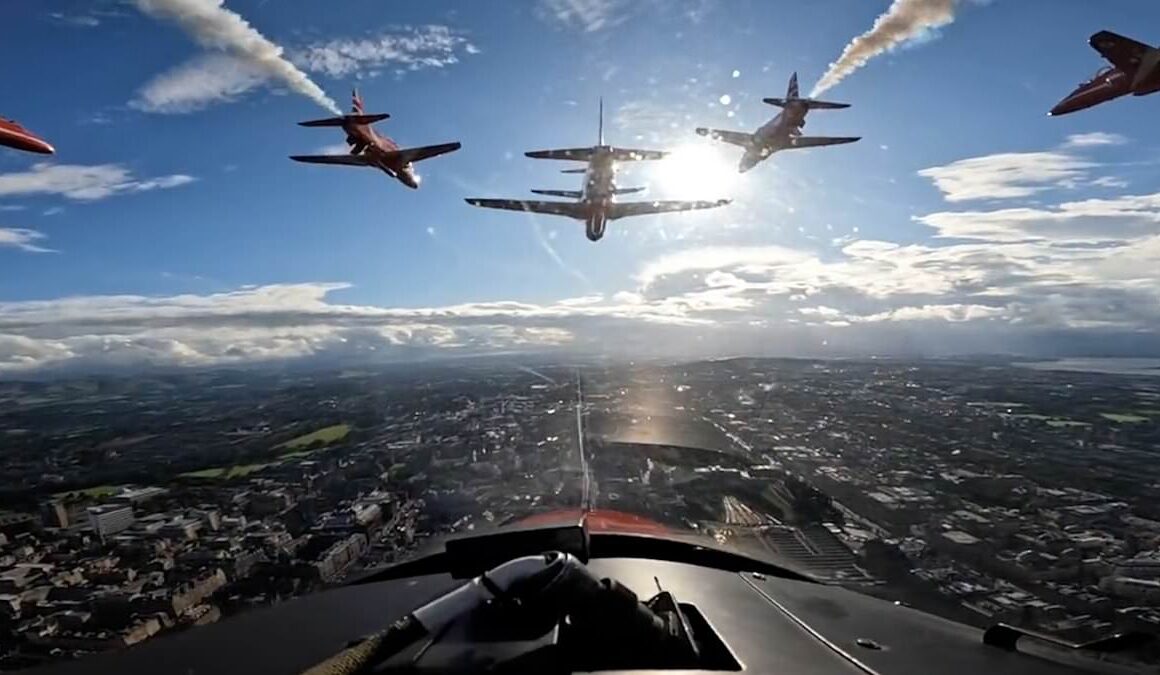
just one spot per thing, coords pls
(694, 171)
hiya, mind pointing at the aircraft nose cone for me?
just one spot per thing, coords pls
(45, 149)
(1064, 107)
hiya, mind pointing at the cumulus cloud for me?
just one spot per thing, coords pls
(23, 239)
(407, 48)
(215, 78)
(83, 183)
(199, 83)
(586, 15)
(1007, 175)
(1123, 218)
(869, 296)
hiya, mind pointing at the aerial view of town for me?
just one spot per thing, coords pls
(982, 490)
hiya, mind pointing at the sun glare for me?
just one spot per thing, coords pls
(695, 171)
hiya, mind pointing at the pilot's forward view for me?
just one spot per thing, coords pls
(596, 203)
(891, 408)
(371, 149)
(783, 132)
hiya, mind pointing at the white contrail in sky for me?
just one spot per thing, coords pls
(902, 21)
(215, 27)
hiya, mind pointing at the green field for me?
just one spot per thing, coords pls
(228, 472)
(325, 435)
(93, 492)
(1123, 419)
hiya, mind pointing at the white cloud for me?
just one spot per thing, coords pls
(78, 20)
(1007, 175)
(1123, 218)
(83, 183)
(1110, 182)
(871, 296)
(25, 240)
(717, 257)
(407, 48)
(201, 82)
(1093, 139)
(586, 15)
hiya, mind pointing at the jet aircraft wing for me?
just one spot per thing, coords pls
(346, 119)
(633, 155)
(796, 142)
(424, 152)
(568, 209)
(731, 137)
(573, 154)
(1122, 52)
(341, 160)
(627, 209)
(586, 154)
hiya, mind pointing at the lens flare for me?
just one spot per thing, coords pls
(694, 171)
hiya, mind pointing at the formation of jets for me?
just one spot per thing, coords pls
(1134, 69)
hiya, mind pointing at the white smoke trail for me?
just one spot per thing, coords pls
(902, 21)
(213, 26)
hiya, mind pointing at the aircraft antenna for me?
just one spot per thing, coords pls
(601, 120)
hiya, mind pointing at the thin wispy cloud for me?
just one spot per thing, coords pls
(216, 78)
(22, 239)
(1095, 138)
(83, 183)
(408, 48)
(197, 84)
(77, 20)
(586, 15)
(1007, 175)
(213, 26)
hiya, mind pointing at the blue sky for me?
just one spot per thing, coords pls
(171, 229)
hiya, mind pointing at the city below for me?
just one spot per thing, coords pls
(981, 490)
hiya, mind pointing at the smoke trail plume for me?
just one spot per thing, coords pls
(213, 26)
(902, 21)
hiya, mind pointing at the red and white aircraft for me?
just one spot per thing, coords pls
(783, 132)
(369, 148)
(15, 136)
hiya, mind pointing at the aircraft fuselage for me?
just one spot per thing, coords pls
(15, 136)
(775, 134)
(377, 148)
(598, 192)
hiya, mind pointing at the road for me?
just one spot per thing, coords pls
(586, 473)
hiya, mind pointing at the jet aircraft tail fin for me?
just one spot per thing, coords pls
(793, 95)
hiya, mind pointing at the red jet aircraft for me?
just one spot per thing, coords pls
(15, 136)
(1135, 70)
(368, 148)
